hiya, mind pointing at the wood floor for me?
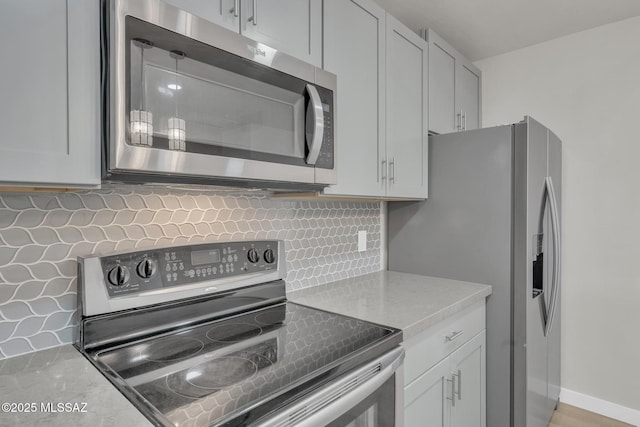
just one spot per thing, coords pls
(570, 416)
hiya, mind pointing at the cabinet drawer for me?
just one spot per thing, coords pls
(432, 345)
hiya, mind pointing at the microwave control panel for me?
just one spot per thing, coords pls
(156, 269)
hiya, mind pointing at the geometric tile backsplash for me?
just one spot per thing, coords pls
(41, 234)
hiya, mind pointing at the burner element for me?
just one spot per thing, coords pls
(233, 332)
(271, 317)
(221, 372)
(170, 349)
(210, 377)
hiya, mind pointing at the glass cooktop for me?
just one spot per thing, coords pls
(214, 373)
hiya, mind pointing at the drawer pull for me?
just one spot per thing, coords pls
(453, 336)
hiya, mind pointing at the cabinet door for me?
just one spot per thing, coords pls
(467, 365)
(354, 51)
(221, 12)
(406, 112)
(49, 117)
(442, 71)
(293, 26)
(468, 95)
(426, 403)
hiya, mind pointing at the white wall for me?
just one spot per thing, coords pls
(586, 88)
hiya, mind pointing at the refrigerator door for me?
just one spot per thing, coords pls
(536, 268)
(553, 335)
(530, 312)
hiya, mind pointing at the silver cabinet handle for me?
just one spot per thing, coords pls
(392, 165)
(464, 120)
(453, 391)
(453, 336)
(254, 18)
(236, 8)
(459, 376)
(315, 123)
(459, 120)
(383, 174)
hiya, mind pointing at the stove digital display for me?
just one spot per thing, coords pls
(210, 256)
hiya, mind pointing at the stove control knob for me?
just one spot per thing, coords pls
(269, 256)
(147, 268)
(118, 275)
(253, 255)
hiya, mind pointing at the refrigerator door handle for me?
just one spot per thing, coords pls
(555, 228)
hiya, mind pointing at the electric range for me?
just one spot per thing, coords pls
(203, 335)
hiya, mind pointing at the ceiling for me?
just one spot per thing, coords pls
(483, 28)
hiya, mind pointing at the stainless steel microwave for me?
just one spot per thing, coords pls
(185, 100)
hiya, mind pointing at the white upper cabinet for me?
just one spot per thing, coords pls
(225, 13)
(406, 112)
(354, 51)
(454, 89)
(442, 89)
(50, 117)
(292, 26)
(468, 95)
(381, 128)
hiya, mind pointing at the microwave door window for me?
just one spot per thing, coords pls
(224, 113)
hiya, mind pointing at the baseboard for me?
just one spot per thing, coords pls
(599, 406)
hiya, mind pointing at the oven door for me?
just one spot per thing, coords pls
(370, 396)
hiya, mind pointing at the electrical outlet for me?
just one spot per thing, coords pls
(362, 240)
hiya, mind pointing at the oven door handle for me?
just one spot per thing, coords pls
(315, 124)
(336, 399)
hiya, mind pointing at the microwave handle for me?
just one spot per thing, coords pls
(315, 125)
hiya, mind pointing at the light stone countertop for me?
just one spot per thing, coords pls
(408, 302)
(405, 301)
(62, 375)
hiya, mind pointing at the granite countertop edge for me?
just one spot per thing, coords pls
(391, 299)
(426, 322)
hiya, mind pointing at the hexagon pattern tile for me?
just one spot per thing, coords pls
(42, 234)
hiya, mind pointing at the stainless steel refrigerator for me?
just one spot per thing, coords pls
(493, 216)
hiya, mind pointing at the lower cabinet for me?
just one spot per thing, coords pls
(426, 398)
(450, 392)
